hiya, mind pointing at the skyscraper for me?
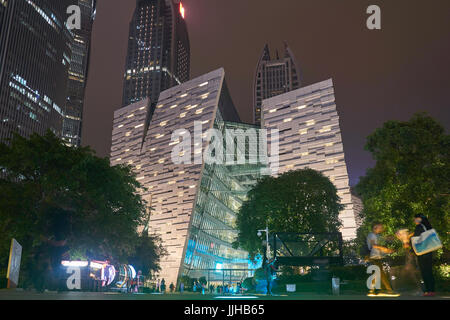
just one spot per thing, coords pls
(35, 54)
(274, 77)
(310, 137)
(158, 50)
(78, 73)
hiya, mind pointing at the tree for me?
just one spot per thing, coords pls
(302, 201)
(411, 176)
(54, 195)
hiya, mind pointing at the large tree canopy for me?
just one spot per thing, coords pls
(411, 175)
(302, 201)
(51, 192)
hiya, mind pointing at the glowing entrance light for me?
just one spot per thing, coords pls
(182, 10)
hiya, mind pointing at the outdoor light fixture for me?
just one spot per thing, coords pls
(266, 230)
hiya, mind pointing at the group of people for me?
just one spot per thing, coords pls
(378, 252)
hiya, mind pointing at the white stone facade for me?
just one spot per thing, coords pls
(310, 136)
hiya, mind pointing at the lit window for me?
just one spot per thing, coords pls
(273, 110)
(203, 84)
(287, 120)
(310, 122)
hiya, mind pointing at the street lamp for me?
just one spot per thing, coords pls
(266, 230)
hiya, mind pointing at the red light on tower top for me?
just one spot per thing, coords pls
(182, 10)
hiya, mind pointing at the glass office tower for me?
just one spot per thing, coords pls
(78, 73)
(158, 50)
(274, 76)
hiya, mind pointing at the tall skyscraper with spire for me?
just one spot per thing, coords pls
(158, 50)
(274, 76)
(78, 73)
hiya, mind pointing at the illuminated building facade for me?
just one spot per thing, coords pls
(78, 73)
(274, 77)
(310, 136)
(158, 50)
(35, 53)
(195, 202)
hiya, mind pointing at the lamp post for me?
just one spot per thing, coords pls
(266, 230)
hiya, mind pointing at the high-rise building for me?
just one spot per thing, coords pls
(78, 73)
(35, 54)
(274, 76)
(195, 202)
(158, 50)
(310, 137)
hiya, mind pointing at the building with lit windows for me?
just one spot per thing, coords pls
(158, 50)
(78, 73)
(310, 137)
(274, 76)
(195, 202)
(35, 55)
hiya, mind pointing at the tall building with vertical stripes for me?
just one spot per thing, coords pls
(158, 50)
(35, 56)
(78, 74)
(274, 76)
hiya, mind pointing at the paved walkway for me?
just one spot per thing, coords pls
(30, 295)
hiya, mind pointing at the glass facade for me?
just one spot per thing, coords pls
(213, 230)
(78, 73)
(158, 51)
(35, 54)
(274, 77)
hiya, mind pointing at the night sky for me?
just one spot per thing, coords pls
(378, 75)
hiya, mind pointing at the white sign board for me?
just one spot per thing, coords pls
(15, 255)
(291, 288)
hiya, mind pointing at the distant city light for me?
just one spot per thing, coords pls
(182, 10)
(219, 266)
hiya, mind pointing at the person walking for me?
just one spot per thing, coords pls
(425, 261)
(171, 287)
(163, 286)
(377, 255)
(181, 287)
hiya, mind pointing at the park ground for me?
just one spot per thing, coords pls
(32, 295)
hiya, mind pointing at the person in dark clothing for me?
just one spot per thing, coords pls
(425, 261)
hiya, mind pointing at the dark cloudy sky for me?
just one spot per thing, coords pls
(378, 75)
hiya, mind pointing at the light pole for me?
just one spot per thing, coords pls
(266, 230)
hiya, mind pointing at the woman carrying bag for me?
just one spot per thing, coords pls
(424, 257)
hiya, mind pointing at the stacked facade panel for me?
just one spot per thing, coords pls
(310, 136)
